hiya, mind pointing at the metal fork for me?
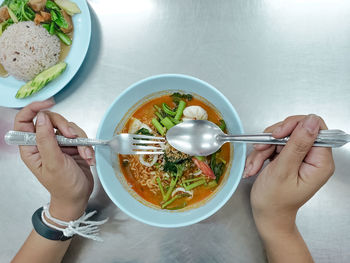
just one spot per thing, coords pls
(122, 143)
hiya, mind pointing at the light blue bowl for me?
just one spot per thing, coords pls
(82, 33)
(108, 166)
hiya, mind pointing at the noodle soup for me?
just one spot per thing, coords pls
(174, 180)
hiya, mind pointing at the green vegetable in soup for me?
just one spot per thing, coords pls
(168, 110)
(194, 185)
(217, 166)
(171, 201)
(167, 123)
(180, 109)
(169, 166)
(144, 131)
(178, 96)
(201, 158)
(177, 207)
(174, 121)
(160, 187)
(174, 180)
(159, 115)
(222, 125)
(158, 126)
(212, 184)
(192, 180)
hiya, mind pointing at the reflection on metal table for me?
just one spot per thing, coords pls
(271, 58)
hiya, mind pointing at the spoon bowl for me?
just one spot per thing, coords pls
(195, 137)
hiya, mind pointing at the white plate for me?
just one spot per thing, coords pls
(81, 40)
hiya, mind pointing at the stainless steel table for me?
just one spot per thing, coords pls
(271, 58)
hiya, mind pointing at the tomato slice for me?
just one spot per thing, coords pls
(205, 168)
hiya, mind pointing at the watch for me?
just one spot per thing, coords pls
(45, 231)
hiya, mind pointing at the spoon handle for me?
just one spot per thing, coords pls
(325, 138)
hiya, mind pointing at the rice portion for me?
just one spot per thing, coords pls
(27, 49)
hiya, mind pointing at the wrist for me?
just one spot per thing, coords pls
(66, 211)
(273, 225)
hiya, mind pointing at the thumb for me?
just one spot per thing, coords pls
(300, 143)
(49, 150)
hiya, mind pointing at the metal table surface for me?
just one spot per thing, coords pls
(271, 58)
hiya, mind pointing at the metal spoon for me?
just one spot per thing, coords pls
(199, 137)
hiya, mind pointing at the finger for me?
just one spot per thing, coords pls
(24, 122)
(70, 150)
(87, 153)
(279, 148)
(299, 144)
(62, 125)
(24, 118)
(321, 160)
(256, 160)
(319, 156)
(71, 130)
(272, 127)
(287, 126)
(51, 154)
(261, 147)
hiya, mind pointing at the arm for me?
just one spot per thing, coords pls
(296, 172)
(41, 250)
(283, 243)
(64, 172)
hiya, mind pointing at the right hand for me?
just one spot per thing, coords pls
(297, 171)
(65, 171)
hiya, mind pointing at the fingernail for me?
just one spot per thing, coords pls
(89, 154)
(278, 129)
(247, 170)
(92, 162)
(312, 124)
(258, 146)
(52, 101)
(72, 131)
(40, 118)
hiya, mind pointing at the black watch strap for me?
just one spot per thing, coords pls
(44, 230)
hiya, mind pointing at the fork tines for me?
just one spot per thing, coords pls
(146, 139)
(146, 152)
(142, 142)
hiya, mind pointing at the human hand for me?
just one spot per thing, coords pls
(65, 171)
(295, 174)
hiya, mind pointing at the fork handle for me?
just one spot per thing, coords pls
(325, 138)
(29, 138)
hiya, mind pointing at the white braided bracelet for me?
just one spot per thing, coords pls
(81, 226)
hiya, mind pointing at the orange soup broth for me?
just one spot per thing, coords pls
(145, 113)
